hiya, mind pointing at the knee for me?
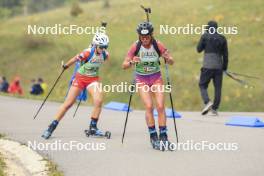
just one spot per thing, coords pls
(149, 107)
(67, 105)
(202, 86)
(98, 103)
(160, 107)
(218, 89)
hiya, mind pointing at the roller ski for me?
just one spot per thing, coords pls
(95, 132)
(47, 133)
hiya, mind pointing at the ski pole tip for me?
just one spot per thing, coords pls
(103, 24)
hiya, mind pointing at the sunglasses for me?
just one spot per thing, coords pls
(103, 47)
(145, 37)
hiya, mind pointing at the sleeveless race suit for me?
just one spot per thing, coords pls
(89, 70)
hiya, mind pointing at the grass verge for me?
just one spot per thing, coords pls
(2, 165)
(53, 169)
(2, 136)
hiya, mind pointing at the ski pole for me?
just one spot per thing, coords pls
(242, 82)
(147, 11)
(244, 75)
(171, 100)
(103, 24)
(129, 104)
(79, 103)
(57, 80)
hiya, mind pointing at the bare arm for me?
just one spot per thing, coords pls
(130, 58)
(168, 58)
(70, 62)
(127, 63)
(165, 53)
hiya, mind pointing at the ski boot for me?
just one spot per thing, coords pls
(164, 142)
(47, 133)
(94, 131)
(155, 142)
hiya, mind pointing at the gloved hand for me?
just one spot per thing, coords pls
(135, 60)
(64, 66)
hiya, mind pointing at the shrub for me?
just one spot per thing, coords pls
(76, 9)
(33, 42)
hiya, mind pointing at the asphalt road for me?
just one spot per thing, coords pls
(135, 156)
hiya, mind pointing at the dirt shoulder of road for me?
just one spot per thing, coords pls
(18, 159)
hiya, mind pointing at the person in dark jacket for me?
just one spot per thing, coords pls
(4, 85)
(36, 88)
(215, 62)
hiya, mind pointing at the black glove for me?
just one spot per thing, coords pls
(64, 66)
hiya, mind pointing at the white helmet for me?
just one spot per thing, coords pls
(100, 39)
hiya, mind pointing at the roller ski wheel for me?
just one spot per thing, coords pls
(97, 133)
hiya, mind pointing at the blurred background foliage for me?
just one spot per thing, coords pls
(32, 56)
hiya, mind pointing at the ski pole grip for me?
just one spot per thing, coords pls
(64, 66)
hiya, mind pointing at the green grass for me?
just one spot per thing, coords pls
(2, 166)
(53, 169)
(246, 49)
(2, 163)
(2, 136)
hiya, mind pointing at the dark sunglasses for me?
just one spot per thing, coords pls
(103, 47)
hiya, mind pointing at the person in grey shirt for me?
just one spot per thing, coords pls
(215, 62)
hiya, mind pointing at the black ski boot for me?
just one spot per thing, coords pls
(154, 140)
(164, 142)
(47, 133)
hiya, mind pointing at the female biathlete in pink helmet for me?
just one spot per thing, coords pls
(144, 55)
(86, 78)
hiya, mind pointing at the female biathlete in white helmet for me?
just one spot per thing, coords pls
(144, 55)
(86, 78)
